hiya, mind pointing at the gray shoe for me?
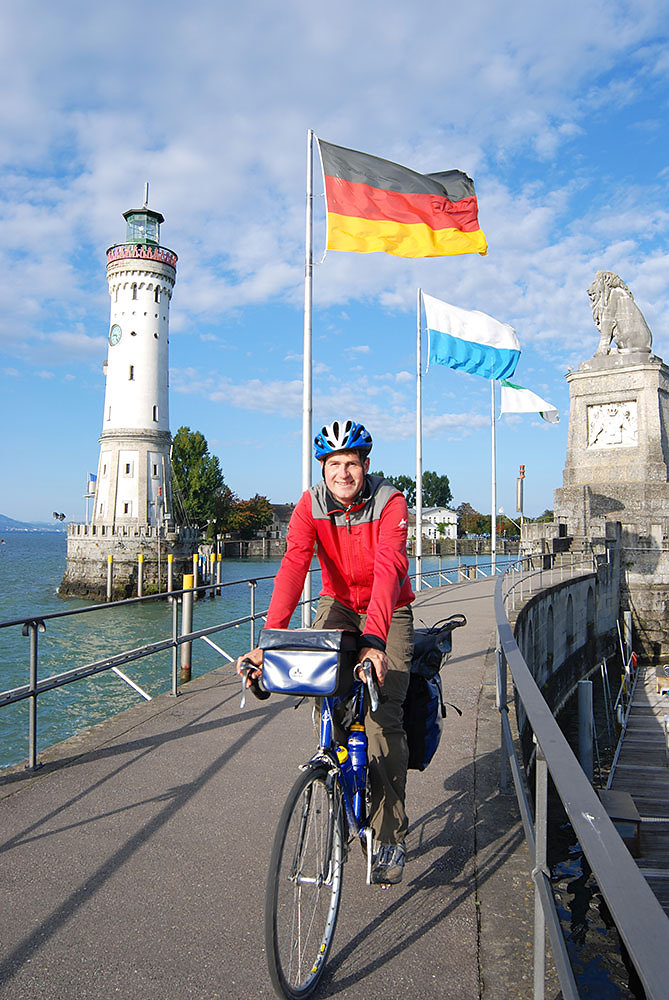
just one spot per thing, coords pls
(388, 865)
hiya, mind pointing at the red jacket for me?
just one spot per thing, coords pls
(362, 552)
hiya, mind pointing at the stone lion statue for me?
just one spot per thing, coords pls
(617, 316)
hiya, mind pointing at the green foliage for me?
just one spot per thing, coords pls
(436, 488)
(249, 516)
(471, 522)
(546, 517)
(199, 482)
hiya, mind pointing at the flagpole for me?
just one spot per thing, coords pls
(419, 449)
(306, 355)
(493, 486)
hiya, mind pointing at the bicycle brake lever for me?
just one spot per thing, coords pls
(256, 690)
(246, 666)
(367, 670)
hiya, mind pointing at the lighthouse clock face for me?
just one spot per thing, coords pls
(114, 334)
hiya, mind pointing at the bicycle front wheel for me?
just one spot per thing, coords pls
(304, 884)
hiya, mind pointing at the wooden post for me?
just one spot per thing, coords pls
(140, 575)
(170, 573)
(110, 576)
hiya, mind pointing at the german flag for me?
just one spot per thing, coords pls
(377, 205)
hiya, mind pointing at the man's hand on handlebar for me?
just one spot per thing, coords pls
(379, 661)
(255, 657)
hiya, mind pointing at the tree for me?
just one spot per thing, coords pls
(436, 488)
(471, 522)
(547, 516)
(199, 487)
(249, 516)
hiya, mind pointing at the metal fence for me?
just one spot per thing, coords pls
(182, 634)
(636, 912)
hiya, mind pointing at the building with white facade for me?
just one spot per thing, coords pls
(438, 523)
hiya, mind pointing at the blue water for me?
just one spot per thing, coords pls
(31, 568)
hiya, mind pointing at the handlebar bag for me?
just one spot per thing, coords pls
(313, 662)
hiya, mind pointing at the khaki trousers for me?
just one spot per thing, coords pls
(386, 740)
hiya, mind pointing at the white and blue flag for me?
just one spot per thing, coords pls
(470, 341)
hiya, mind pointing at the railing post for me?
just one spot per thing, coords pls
(253, 584)
(140, 575)
(170, 572)
(110, 576)
(31, 629)
(187, 626)
(502, 707)
(175, 648)
(540, 868)
(218, 574)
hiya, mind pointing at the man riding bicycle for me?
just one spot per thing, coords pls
(359, 524)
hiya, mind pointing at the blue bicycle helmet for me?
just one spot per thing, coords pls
(342, 435)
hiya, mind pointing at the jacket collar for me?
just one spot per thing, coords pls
(334, 506)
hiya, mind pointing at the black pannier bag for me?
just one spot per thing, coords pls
(424, 706)
(312, 662)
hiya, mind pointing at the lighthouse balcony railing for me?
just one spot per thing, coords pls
(141, 251)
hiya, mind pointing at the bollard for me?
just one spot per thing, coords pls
(196, 562)
(585, 728)
(140, 575)
(186, 627)
(218, 574)
(170, 573)
(110, 576)
(212, 573)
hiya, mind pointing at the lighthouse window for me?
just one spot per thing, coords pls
(131, 374)
(155, 470)
(156, 295)
(156, 336)
(155, 413)
(128, 468)
(134, 291)
(126, 508)
(133, 333)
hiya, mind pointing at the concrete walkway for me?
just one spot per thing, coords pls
(133, 863)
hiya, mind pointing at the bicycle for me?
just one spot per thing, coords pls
(325, 810)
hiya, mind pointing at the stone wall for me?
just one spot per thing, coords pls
(88, 548)
(564, 631)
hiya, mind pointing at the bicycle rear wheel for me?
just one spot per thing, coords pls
(304, 884)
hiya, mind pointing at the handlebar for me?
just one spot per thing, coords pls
(367, 673)
(256, 686)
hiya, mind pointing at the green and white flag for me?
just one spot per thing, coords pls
(516, 399)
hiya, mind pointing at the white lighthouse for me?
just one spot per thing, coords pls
(133, 524)
(133, 485)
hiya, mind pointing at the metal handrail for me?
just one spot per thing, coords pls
(33, 624)
(639, 918)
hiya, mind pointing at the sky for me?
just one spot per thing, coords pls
(560, 118)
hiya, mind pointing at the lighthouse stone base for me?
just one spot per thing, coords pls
(89, 547)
